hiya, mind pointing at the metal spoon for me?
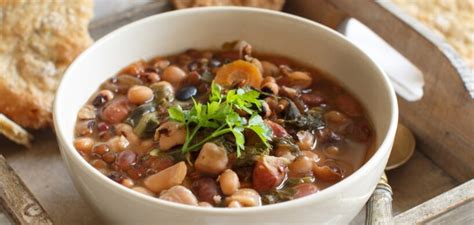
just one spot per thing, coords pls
(403, 148)
(379, 206)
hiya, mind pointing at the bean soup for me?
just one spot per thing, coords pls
(227, 128)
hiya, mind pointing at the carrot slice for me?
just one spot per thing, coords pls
(239, 71)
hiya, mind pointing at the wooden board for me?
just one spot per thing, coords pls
(44, 173)
(17, 201)
(453, 207)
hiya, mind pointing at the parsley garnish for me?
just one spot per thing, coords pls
(220, 114)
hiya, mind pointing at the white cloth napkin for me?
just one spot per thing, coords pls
(405, 77)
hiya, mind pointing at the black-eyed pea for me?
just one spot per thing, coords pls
(127, 131)
(170, 134)
(266, 111)
(102, 97)
(270, 86)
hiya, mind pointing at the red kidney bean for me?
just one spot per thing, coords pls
(312, 99)
(135, 173)
(116, 111)
(268, 173)
(205, 189)
(278, 130)
(126, 159)
(103, 126)
(158, 163)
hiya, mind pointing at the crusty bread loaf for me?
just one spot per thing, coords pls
(39, 39)
(451, 19)
(269, 4)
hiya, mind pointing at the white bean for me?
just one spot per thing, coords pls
(212, 159)
(139, 94)
(166, 178)
(229, 182)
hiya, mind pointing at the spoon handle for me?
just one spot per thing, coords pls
(379, 207)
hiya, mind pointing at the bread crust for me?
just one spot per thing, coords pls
(268, 4)
(39, 40)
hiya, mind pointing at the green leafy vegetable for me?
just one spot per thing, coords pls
(220, 114)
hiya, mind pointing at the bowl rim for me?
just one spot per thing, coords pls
(68, 148)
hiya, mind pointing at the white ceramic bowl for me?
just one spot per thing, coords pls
(208, 28)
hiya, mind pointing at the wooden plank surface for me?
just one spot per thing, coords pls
(417, 181)
(44, 173)
(17, 200)
(453, 207)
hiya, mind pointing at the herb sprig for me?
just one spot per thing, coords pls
(220, 114)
